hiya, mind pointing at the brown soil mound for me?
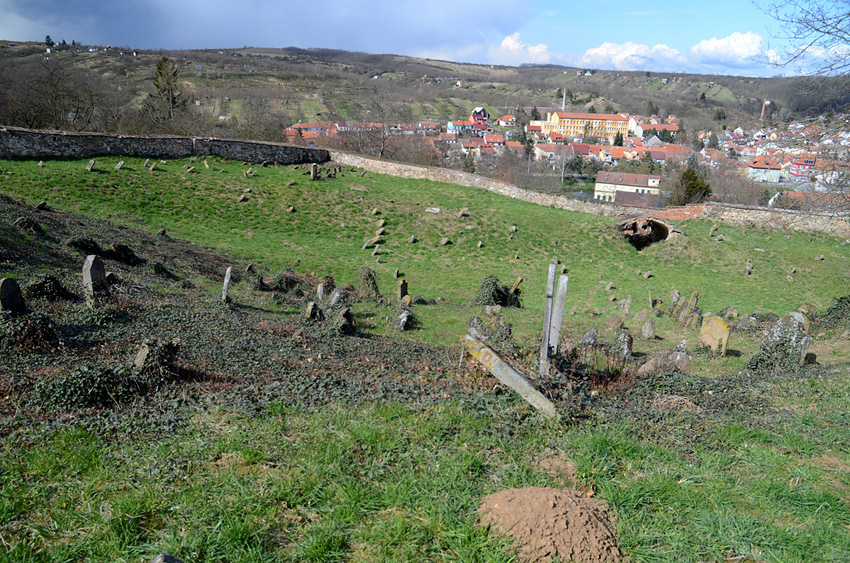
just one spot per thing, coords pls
(553, 523)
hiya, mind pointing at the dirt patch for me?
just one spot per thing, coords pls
(550, 523)
(557, 466)
(675, 403)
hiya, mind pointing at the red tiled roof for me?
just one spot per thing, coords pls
(599, 116)
(763, 163)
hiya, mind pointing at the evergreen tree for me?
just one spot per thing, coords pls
(618, 140)
(535, 115)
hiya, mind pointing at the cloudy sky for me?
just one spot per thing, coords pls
(719, 36)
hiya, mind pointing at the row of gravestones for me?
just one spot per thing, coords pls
(95, 288)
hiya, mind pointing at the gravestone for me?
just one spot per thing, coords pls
(225, 298)
(11, 299)
(382, 223)
(445, 241)
(336, 296)
(648, 330)
(407, 300)
(119, 165)
(749, 269)
(380, 231)
(463, 213)
(614, 322)
(623, 346)
(402, 289)
(480, 244)
(375, 251)
(680, 357)
(314, 171)
(152, 168)
(714, 334)
(90, 165)
(589, 338)
(320, 292)
(433, 210)
(674, 298)
(412, 239)
(626, 306)
(94, 280)
(313, 312)
(784, 347)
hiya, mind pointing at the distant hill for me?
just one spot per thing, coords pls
(254, 92)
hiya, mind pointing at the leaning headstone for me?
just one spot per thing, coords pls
(380, 231)
(119, 165)
(396, 273)
(320, 292)
(382, 223)
(412, 239)
(714, 334)
(313, 312)
(445, 241)
(407, 300)
(225, 298)
(749, 269)
(90, 165)
(680, 356)
(648, 330)
(375, 250)
(152, 168)
(480, 244)
(403, 320)
(11, 299)
(165, 558)
(674, 298)
(463, 213)
(336, 296)
(157, 354)
(402, 289)
(94, 280)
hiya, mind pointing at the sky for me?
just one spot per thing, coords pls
(718, 36)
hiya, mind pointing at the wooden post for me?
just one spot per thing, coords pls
(504, 372)
(547, 315)
(558, 314)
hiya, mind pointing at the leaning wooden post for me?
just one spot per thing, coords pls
(547, 315)
(558, 315)
(505, 372)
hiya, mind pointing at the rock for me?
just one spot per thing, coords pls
(433, 210)
(641, 316)
(445, 241)
(718, 238)
(784, 347)
(11, 298)
(714, 334)
(463, 213)
(612, 298)
(845, 335)
(614, 322)
(412, 239)
(165, 558)
(654, 366)
(648, 330)
(609, 286)
(407, 301)
(727, 313)
(589, 338)
(747, 322)
(647, 274)
(492, 310)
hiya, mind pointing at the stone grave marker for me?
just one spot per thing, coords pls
(375, 251)
(380, 231)
(714, 334)
(90, 165)
(94, 280)
(480, 244)
(225, 298)
(589, 338)
(648, 330)
(626, 306)
(402, 289)
(320, 292)
(11, 298)
(119, 165)
(624, 344)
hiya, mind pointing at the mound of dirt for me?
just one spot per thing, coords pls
(551, 523)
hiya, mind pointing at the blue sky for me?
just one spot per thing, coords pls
(718, 36)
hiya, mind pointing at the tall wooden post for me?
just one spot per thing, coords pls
(547, 316)
(558, 315)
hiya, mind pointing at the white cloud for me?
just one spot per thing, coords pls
(632, 56)
(512, 51)
(738, 49)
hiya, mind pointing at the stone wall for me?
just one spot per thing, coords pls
(837, 224)
(27, 143)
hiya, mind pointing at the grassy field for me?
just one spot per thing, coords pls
(705, 466)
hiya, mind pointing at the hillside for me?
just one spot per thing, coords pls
(234, 90)
(271, 436)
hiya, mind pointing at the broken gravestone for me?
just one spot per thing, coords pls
(11, 299)
(404, 320)
(784, 347)
(714, 334)
(95, 287)
(680, 356)
(626, 306)
(402, 289)
(589, 338)
(157, 354)
(623, 346)
(648, 330)
(614, 323)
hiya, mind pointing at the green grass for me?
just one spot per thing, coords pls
(393, 482)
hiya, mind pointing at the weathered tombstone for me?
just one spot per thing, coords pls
(547, 318)
(463, 213)
(558, 314)
(480, 244)
(626, 306)
(402, 289)
(320, 292)
(119, 165)
(375, 211)
(412, 239)
(433, 210)
(609, 286)
(784, 347)
(641, 316)
(674, 298)
(680, 357)
(403, 320)
(313, 312)
(623, 346)
(407, 300)
(647, 332)
(11, 299)
(396, 273)
(492, 310)
(147, 160)
(381, 223)
(314, 171)
(225, 298)
(41, 164)
(589, 338)
(206, 165)
(156, 353)
(152, 168)
(380, 231)
(90, 165)
(375, 251)
(445, 241)
(714, 333)
(94, 280)
(749, 269)
(335, 297)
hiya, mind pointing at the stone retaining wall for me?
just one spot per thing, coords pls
(27, 143)
(837, 224)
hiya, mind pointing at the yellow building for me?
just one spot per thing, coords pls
(571, 125)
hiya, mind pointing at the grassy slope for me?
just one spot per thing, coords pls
(768, 480)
